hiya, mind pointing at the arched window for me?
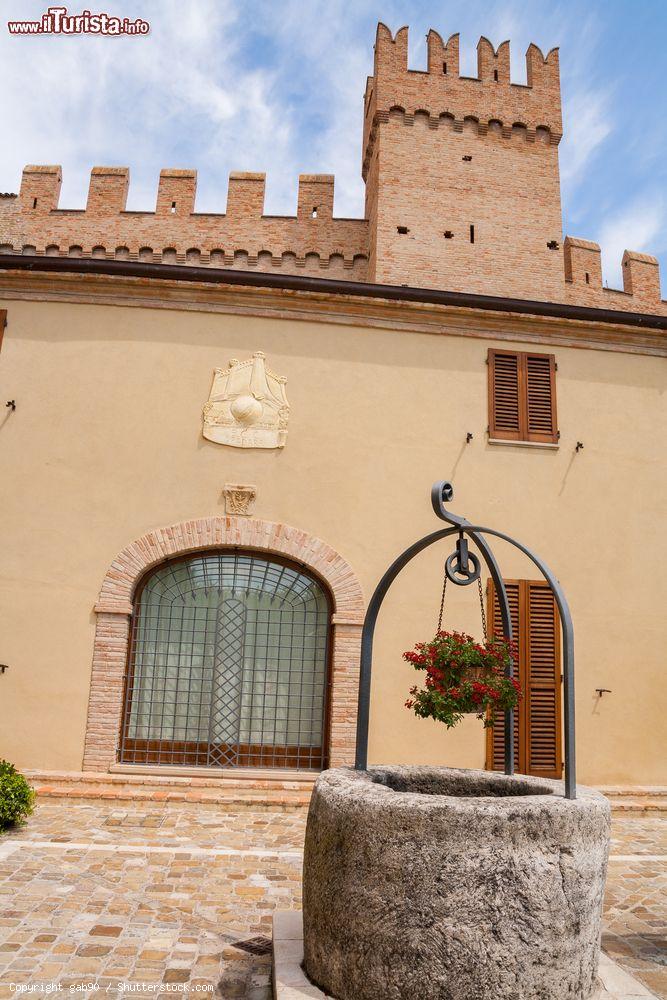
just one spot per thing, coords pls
(227, 665)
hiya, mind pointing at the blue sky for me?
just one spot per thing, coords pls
(277, 85)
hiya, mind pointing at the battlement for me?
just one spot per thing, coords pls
(109, 186)
(462, 193)
(241, 237)
(489, 99)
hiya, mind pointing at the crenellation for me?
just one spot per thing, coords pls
(175, 233)
(641, 277)
(391, 51)
(442, 57)
(543, 72)
(176, 193)
(489, 96)
(316, 196)
(462, 193)
(107, 193)
(583, 264)
(493, 66)
(40, 189)
(245, 196)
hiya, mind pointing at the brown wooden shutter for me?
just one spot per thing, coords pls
(543, 690)
(522, 396)
(540, 382)
(537, 723)
(3, 324)
(505, 416)
(495, 737)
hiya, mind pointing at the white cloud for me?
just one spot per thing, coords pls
(192, 94)
(640, 226)
(587, 124)
(181, 96)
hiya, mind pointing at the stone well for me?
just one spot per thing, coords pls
(429, 882)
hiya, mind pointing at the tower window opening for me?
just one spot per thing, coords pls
(173, 208)
(402, 230)
(444, 68)
(34, 203)
(472, 233)
(495, 75)
(588, 278)
(313, 214)
(448, 234)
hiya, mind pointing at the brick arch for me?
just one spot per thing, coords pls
(114, 608)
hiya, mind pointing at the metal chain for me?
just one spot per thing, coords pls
(442, 604)
(481, 607)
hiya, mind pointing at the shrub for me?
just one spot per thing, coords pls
(17, 798)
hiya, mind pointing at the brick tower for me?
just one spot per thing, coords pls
(462, 179)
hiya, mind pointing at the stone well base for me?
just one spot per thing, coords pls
(290, 981)
(445, 883)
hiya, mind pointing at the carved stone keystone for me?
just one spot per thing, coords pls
(239, 499)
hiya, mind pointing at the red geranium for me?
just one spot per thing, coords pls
(463, 676)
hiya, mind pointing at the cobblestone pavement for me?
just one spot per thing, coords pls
(180, 897)
(635, 933)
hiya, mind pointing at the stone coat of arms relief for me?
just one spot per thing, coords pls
(247, 406)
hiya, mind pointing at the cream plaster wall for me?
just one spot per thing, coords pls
(106, 444)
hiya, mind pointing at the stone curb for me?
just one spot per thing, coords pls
(291, 983)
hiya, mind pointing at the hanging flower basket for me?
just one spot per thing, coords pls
(462, 677)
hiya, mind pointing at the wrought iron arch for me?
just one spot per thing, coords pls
(228, 663)
(460, 573)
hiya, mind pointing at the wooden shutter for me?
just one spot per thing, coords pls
(543, 689)
(537, 723)
(522, 396)
(540, 383)
(505, 416)
(495, 738)
(3, 324)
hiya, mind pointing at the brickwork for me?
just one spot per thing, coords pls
(114, 607)
(478, 205)
(465, 217)
(462, 193)
(310, 242)
(463, 183)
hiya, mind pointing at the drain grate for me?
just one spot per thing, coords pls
(255, 946)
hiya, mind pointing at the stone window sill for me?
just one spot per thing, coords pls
(550, 446)
(221, 774)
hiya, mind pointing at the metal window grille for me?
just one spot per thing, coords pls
(228, 666)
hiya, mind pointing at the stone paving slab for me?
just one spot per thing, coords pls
(165, 825)
(183, 895)
(175, 895)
